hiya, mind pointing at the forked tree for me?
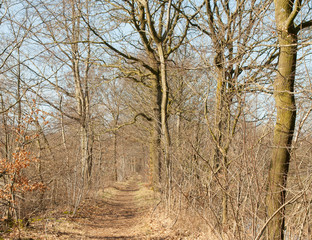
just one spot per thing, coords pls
(158, 30)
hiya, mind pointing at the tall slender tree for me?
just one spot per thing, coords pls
(286, 12)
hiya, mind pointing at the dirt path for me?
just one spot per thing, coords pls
(123, 211)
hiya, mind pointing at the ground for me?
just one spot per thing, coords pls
(126, 210)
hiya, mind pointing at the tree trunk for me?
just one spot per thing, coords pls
(115, 157)
(222, 134)
(164, 119)
(285, 120)
(84, 153)
(164, 102)
(82, 96)
(219, 121)
(155, 145)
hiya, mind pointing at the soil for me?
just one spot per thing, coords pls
(123, 211)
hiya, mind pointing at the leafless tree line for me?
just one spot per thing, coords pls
(208, 100)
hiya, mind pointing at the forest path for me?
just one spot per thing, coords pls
(120, 212)
(123, 211)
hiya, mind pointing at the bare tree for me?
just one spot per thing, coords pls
(285, 15)
(231, 28)
(156, 26)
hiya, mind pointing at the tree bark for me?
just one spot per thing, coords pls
(164, 116)
(155, 145)
(82, 96)
(285, 118)
(164, 100)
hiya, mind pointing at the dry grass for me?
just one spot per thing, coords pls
(126, 210)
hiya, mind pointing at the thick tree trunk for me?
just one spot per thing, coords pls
(82, 98)
(164, 119)
(219, 121)
(155, 144)
(164, 102)
(222, 119)
(285, 121)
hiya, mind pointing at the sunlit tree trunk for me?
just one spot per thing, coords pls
(285, 13)
(82, 96)
(283, 134)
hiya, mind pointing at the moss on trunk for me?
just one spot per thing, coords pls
(285, 120)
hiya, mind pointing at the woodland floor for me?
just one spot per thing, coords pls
(125, 210)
